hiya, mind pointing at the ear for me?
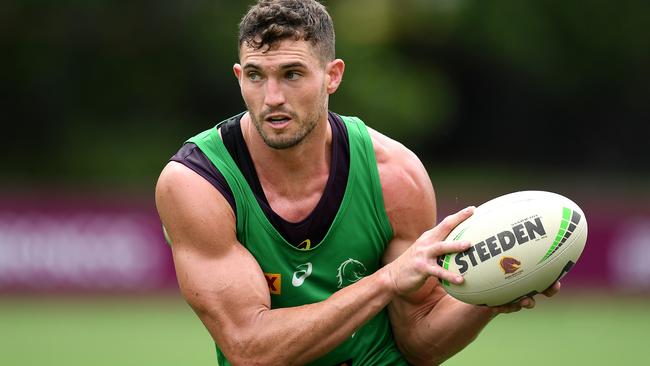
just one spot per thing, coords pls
(238, 72)
(334, 70)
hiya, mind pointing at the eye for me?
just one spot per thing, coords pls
(293, 75)
(254, 76)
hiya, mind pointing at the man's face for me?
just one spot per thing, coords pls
(285, 90)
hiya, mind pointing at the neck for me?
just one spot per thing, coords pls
(295, 169)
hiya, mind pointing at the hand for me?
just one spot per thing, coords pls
(411, 269)
(527, 302)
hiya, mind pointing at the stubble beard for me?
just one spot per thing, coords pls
(286, 140)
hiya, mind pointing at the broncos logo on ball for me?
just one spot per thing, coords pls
(509, 265)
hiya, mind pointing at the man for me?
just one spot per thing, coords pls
(301, 236)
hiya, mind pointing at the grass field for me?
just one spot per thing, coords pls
(162, 330)
(591, 330)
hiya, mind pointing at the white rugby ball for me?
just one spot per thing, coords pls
(522, 243)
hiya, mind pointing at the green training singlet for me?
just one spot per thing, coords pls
(352, 248)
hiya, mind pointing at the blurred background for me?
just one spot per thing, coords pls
(494, 96)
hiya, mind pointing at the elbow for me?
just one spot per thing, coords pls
(430, 359)
(248, 344)
(253, 352)
(416, 358)
(245, 358)
(242, 343)
(419, 361)
(439, 353)
(428, 353)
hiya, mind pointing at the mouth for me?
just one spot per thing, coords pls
(278, 120)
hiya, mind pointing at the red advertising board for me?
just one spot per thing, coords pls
(55, 244)
(116, 244)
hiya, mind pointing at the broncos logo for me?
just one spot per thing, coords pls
(509, 265)
(350, 271)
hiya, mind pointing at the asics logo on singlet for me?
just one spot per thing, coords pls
(302, 272)
(305, 245)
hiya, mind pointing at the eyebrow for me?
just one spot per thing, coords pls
(251, 66)
(291, 65)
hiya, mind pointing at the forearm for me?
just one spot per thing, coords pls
(432, 333)
(301, 334)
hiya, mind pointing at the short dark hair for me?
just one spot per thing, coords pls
(272, 21)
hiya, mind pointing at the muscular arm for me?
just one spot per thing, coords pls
(429, 325)
(226, 287)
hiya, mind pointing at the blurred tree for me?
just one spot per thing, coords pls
(102, 92)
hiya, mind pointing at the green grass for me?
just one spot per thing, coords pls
(591, 330)
(102, 331)
(162, 330)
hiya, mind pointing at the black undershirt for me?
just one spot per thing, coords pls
(316, 225)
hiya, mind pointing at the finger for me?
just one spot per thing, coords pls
(443, 274)
(445, 247)
(554, 289)
(527, 303)
(443, 229)
(508, 308)
(513, 307)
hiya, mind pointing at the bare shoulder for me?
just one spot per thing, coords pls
(218, 277)
(187, 204)
(408, 193)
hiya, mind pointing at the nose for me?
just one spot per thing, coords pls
(274, 95)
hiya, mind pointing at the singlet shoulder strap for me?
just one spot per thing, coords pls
(366, 161)
(213, 147)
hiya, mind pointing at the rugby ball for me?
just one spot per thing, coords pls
(522, 243)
